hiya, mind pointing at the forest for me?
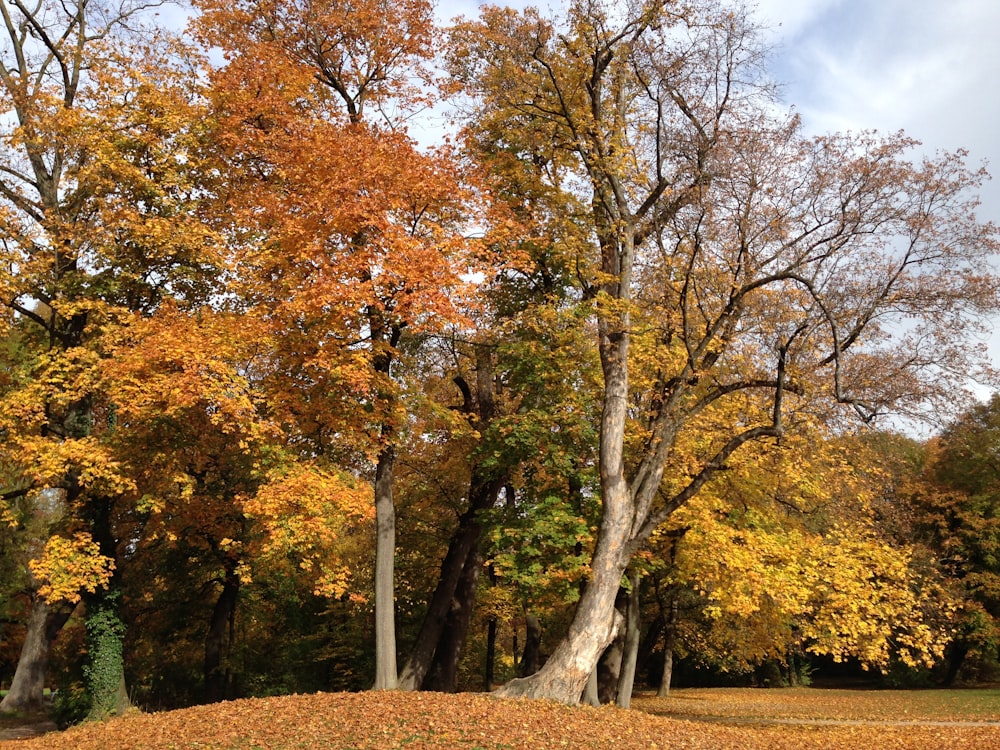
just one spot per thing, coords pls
(622, 379)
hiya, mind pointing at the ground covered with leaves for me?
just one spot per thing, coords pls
(716, 719)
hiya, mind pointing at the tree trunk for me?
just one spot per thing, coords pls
(591, 691)
(594, 626)
(489, 675)
(105, 669)
(385, 561)
(668, 672)
(626, 680)
(461, 550)
(215, 641)
(669, 639)
(26, 692)
(609, 669)
(531, 658)
(596, 621)
(448, 653)
(480, 407)
(955, 657)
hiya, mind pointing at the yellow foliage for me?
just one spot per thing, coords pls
(308, 512)
(69, 567)
(784, 554)
(7, 514)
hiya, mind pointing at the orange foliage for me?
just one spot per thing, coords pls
(375, 721)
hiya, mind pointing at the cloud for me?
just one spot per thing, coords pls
(927, 67)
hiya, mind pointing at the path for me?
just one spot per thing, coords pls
(26, 731)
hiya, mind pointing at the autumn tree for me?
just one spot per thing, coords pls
(525, 384)
(346, 234)
(802, 564)
(953, 510)
(766, 271)
(96, 190)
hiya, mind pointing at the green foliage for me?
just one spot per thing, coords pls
(956, 515)
(104, 671)
(543, 548)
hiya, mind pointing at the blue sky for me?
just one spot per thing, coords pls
(928, 67)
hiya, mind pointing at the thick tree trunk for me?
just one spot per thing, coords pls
(105, 669)
(106, 663)
(448, 654)
(480, 407)
(596, 621)
(609, 669)
(955, 657)
(385, 562)
(531, 659)
(626, 680)
(461, 550)
(591, 691)
(216, 682)
(28, 685)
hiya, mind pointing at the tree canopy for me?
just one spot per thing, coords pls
(279, 368)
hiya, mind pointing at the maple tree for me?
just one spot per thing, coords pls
(762, 266)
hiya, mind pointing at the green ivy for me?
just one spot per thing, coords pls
(104, 670)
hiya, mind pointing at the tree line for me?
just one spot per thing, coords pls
(593, 378)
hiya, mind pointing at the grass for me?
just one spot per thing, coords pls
(812, 704)
(868, 720)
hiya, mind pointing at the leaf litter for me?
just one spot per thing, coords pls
(423, 721)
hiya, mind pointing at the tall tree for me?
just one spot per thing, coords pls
(761, 268)
(349, 230)
(94, 192)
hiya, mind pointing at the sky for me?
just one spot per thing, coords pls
(930, 68)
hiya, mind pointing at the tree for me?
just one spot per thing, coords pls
(348, 234)
(759, 269)
(801, 565)
(94, 222)
(36, 520)
(955, 512)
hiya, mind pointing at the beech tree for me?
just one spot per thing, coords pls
(765, 272)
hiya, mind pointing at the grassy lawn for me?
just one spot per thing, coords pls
(692, 719)
(809, 704)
